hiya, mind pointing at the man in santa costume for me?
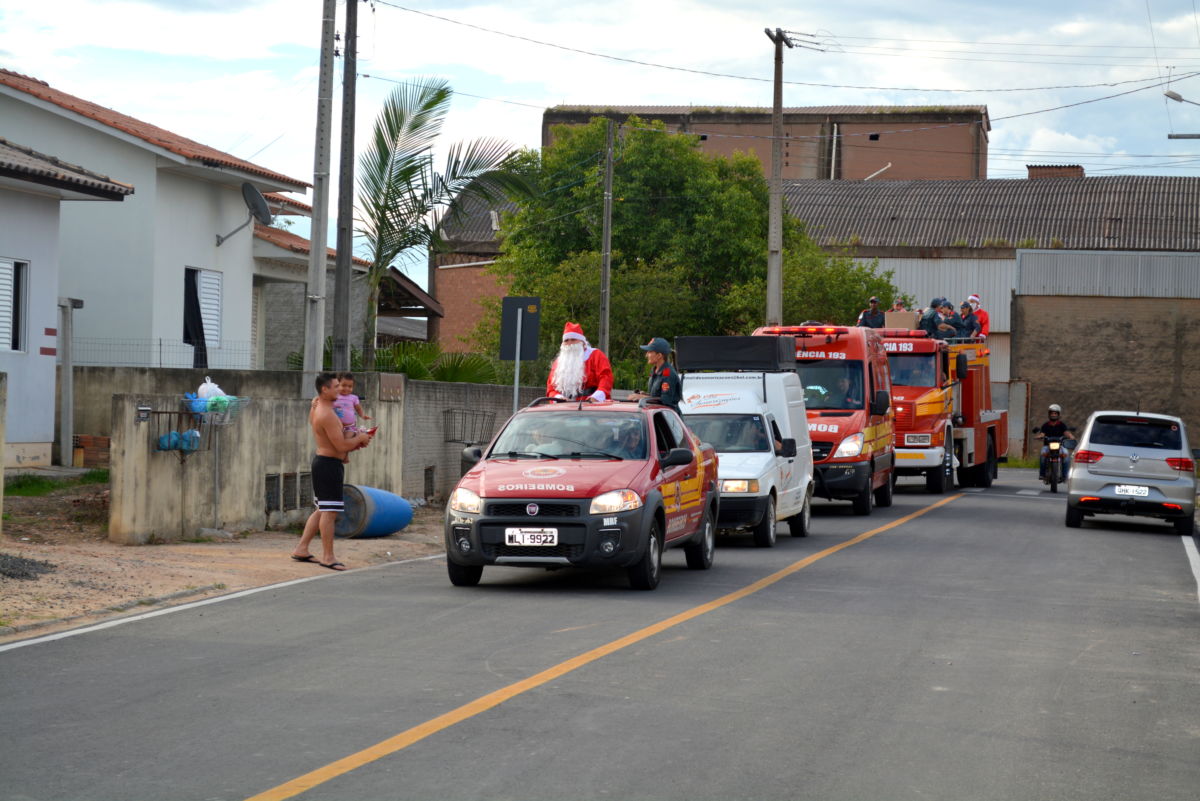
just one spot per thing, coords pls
(980, 315)
(580, 371)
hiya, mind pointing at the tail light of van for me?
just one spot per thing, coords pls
(1088, 457)
(1182, 465)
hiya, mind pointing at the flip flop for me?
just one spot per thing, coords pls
(333, 566)
(308, 557)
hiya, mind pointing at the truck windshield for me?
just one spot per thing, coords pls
(832, 383)
(731, 433)
(913, 369)
(565, 435)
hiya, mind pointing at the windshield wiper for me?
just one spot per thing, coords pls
(520, 455)
(593, 454)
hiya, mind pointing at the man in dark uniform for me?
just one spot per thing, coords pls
(664, 379)
(871, 317)
(968, 323)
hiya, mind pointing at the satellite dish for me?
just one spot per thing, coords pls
(257, 205)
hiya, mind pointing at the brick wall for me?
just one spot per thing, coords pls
(459, 290)
(1090, 353)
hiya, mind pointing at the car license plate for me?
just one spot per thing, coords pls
(531, 536)
(1130, 489)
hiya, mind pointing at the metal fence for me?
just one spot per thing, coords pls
(93, 352)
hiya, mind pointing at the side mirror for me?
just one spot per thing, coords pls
(960, 367)
(881, 402)
(472, 454)
(789, 448)
(1036, 429)
(678, 456)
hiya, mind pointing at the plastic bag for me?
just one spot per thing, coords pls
(208, 389)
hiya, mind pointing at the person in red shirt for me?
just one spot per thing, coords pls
(580, 371)
(980, 315)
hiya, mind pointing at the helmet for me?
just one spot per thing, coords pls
(1054, 407)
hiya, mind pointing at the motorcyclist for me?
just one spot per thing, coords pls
(1054, 426)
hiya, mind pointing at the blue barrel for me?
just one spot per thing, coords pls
(371, 512)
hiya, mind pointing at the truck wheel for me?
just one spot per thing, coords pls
(699, 553)
(936, 480)
(648, 570)
(1186, 526)
(764, 531)
(1074, 517)
(883, 495)
(862, 501)
(798, 525)
(984, 472)
(463, 575)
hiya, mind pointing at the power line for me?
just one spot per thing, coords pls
(712, 74)
(1007, 44)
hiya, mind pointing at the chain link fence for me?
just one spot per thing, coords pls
(95, 352)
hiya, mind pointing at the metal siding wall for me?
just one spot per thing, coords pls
(1001, 363)
(1119, 274)
(992, 279)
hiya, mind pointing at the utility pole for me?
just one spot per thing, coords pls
(606, 238)
(314, 311)
(775, 207)
(345, 223)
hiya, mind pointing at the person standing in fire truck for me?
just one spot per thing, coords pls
(664, 377)
(872, 316)
(980, 315)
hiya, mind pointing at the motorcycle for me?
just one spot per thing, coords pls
(1058, 454)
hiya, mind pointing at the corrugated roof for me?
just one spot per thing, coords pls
(20, 161)
(1124, 212)
(159, 137)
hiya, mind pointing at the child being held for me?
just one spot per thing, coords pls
(349, 409)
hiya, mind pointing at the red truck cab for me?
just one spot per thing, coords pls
(569, 483)
(941, 393)
(847, 394)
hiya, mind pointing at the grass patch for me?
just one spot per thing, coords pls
(1030, 462)
(98, 475)
(28, 485)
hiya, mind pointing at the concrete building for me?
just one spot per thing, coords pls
(33, 188)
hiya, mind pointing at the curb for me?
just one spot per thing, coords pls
(108, 610)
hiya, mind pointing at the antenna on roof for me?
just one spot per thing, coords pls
(256, 203)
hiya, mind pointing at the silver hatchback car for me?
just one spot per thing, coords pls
(1133, 463)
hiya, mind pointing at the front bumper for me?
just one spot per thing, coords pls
(580, 534)
(842, 480)
(911, 461)
(741, 510)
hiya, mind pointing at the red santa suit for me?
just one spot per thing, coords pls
(980, 315)
(597, 372)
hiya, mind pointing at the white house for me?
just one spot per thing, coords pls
(131, 263)
(32, 187)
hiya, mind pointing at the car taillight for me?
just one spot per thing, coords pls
(1088, 457)
(1183, 465)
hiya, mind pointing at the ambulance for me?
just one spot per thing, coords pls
(847, 397)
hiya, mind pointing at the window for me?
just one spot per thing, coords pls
(13, 277)
(202, 302)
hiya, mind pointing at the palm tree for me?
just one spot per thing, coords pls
(402, 198)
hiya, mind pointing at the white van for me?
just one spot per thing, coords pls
(757, 423)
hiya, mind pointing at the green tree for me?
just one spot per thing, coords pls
(402, 197)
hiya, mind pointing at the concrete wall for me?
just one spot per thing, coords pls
(1109, 353)
(3, 407)
(29, 234)
(284, 308)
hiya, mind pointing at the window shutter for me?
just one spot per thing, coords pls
(210, 306)
(7, 301)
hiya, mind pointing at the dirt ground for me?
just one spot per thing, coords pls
(58, 571)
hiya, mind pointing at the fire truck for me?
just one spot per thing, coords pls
(942, 401)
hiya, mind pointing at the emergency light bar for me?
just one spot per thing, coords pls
(903, 333)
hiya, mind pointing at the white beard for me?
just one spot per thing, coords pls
(568, 370)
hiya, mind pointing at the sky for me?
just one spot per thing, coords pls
(241, 75)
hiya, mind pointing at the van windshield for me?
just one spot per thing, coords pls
(832, 383)
(573, 435)
(731, 433)
(913, 369)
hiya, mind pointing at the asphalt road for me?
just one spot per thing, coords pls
(977, 650)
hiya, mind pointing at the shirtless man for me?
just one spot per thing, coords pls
(327, 472)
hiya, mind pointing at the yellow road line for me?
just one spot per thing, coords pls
(417, 733)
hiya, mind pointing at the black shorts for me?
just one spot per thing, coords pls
(328, 474)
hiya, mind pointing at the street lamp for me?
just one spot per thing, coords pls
(1178, 98)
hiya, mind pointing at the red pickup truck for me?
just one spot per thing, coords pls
(571, 484)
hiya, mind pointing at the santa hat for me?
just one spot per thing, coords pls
(973, 299)
(573, 331)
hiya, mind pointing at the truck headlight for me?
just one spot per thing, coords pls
(463, 500)
(851, 446)
(616, 501)
(918, 439)
(739, 485)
